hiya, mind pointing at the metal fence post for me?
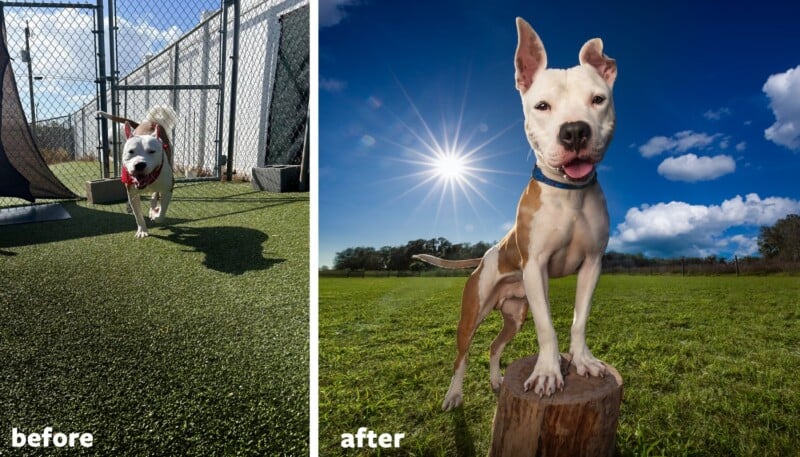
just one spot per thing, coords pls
(101, 81)
(234, 78)
(221, 100)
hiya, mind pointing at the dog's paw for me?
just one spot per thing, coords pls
(546, 378)
(496, 383)
(155, 214)
(452, 401)
(587, 365)
(142, 233)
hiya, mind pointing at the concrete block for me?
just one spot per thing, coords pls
(276, 178)
(106, 191)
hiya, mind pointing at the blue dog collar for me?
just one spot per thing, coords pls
(538, 175)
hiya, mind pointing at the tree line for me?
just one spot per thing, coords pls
(398, 258)
(780, 242)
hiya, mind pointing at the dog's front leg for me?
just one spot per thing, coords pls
(166, 196)
(546, 377)
(136, 207)
(585, 363)
(159, 204)
(155, 205)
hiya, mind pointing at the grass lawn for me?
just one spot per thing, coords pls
(709, 363)
(193, 341)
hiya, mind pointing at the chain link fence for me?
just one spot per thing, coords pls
(52, 53)
(174, 63)
(273, 91)
(181, 56)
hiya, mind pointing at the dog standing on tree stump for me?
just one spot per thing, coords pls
(561, 225)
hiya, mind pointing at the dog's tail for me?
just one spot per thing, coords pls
(162, 115)
(119, 119)
(451, 264)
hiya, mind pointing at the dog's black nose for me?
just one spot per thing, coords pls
(140, 166)
(574, 135)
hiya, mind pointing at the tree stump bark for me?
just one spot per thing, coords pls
(580, 421)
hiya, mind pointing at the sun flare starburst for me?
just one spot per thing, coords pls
(450, 165)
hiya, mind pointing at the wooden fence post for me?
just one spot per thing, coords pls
(579, 421)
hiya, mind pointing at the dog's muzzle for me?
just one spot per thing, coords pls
(140, 181)
(574, 136)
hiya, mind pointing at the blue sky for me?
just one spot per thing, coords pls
(707, 146)
(64, 36)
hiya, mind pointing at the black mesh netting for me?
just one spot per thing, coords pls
(289, 106)
(23, 171)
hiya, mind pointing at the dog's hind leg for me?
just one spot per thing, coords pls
(471, 317)
(514, 312)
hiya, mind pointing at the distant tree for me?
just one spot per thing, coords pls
(782, 240)
(360, 258)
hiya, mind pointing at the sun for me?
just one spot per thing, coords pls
(448, 167)
(451, 165)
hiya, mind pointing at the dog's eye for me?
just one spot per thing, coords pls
(598, 100)
(542, 106)
(151, 152)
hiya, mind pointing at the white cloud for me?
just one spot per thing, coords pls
(679, 228)
(680, 142)
(783, 90)
(741, 146)
(717, 115)
(63, 54)
(332, 85)
(691, 168)
(745, 245)
(137, 39)
(331, 12)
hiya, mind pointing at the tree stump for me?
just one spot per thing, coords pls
(580, 421)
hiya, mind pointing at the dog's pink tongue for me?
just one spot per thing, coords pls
(578, 169)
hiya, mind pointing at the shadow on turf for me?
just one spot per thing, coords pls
(232, 250)
(88, 222)
(465, 444)
(85, 222)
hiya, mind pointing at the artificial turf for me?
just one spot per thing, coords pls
(193, 341)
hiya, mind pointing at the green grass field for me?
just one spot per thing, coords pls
(193, 341)
(709, 363)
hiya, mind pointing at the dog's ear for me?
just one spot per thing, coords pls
(592, 54)
(128, 130)
(157, 131)
(530, 57)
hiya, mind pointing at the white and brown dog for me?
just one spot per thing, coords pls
(147, 163)
(562, 222)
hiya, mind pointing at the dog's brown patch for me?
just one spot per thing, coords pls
(529, 204)
(470, 309)
(509, 259)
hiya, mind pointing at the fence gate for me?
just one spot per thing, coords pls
(175, 58)
(56, 57)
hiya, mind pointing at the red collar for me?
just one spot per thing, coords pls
(128, 178)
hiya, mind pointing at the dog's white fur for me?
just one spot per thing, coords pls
(557, 231)
(148, 147)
